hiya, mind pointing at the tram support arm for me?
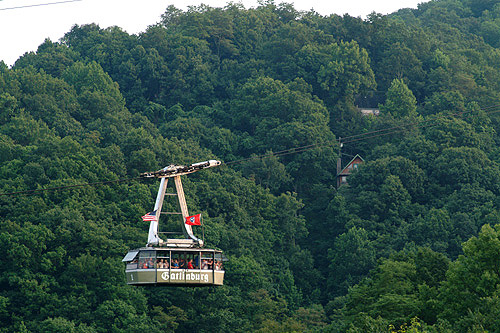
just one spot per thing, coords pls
(187, 229)
(153, 238)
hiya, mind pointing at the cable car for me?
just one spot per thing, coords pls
(174, 261)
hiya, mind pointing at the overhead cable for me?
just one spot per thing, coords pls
(293, 150)
(40, 4)
(362, 136)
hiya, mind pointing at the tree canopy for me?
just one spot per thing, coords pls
(410, 243)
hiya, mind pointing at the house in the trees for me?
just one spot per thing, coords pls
(368, 104)
(369, 111)
(343, 174)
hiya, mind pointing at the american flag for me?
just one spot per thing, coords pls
(150, 216)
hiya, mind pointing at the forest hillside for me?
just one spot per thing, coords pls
(411, 241)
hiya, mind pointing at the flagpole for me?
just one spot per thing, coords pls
(202, 228)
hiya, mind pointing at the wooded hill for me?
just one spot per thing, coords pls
(412, 241)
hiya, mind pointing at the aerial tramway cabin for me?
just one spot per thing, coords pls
(175, 261)
(153, 265)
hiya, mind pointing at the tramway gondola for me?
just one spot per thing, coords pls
(174, 261)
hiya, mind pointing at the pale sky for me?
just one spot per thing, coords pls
(23, 29)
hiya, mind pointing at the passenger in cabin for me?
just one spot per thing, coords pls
(182, 264)
(190, 264)
(204, 264)
(162, 264)
(196, 261)
(175, 263)
(151, 263)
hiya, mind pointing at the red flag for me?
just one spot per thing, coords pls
(194, 220)
(150, 216)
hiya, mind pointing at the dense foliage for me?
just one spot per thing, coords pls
(411, 243)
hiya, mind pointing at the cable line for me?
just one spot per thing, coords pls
(363, 136)
(278, 153)
(40, 4)
(421, 122)
(293, 150)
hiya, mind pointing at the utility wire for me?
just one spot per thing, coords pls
(40, 4)
(363, 136)
(420, 122)
(277, 153)
(294, 150)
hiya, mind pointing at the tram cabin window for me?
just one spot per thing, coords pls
(178, 260)
(218, 262)
(185, 260)
(147, 260)
(132, 264)
(218, 265)
(207, 260)
(162, 260)
(131, 260)
(191, 260)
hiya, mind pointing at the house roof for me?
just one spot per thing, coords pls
(347, 165)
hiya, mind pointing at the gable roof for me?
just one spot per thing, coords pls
(347, 165)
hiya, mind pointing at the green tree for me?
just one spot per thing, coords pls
(400, 101)
(347, 72)
(469, 294)
(350, 259)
